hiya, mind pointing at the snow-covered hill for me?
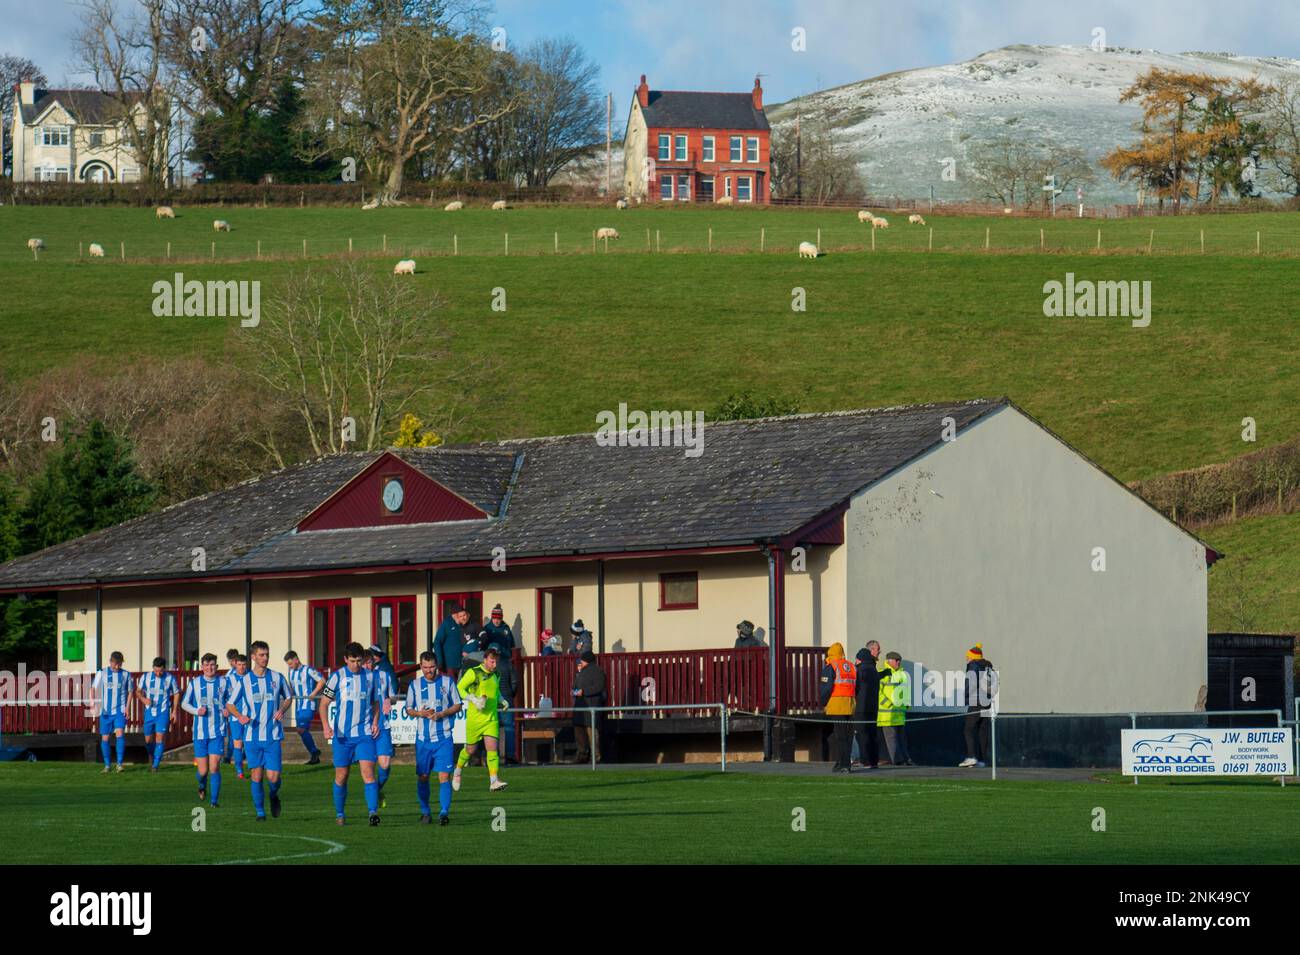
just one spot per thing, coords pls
(903, 125)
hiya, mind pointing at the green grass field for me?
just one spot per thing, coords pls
(69, 814)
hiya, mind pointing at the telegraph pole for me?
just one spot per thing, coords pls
(798, 161)
(609, 120)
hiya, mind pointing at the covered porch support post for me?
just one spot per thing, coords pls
(428, 610)
(600, 604)
(99, 629)
(248, 616)
(778, 742)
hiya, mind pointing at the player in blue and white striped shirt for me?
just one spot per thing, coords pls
(159, 693)
(205, 698)
(383, 672)
(353, 725)
(238, 755)
(434, 701)
(109, 692)
(307, 685)
(259, 704)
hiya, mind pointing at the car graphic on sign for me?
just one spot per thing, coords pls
(1173, 743)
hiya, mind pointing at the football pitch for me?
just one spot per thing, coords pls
(64, 813)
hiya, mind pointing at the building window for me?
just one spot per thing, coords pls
(178, 637)
(708, 149)
(55, 135)
(329, 630)
(52, 173)
(665, 146)
(727, 182)
(735, 148)
(753, 150)
(679, 591)
(665, 187)
(394, 628)
(96, 139)
(706, 188)
(684, 188)
(470, 600)
(742, 188)
(681, 149)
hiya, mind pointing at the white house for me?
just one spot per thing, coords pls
(71, 136)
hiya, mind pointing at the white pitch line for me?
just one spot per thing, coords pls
(334, 847)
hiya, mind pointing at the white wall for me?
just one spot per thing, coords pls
(1004, 558)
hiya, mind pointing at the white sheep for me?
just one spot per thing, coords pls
(864, 215)
(96, 250)
(404, 267)
(372, 204)
(724, 201)
(35, 244)
(879, 222)
(807, 250)
(453, 206)
(220, 225)
(164, 212)
(638, 200)
(621, 204)
(1006, 211)
(499, 205)
(915, 219)
(606, 233)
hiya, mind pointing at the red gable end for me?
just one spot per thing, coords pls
(359, 503)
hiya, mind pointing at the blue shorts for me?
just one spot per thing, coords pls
(153, 725)
(236, 729)
(107, 724)
(262, 755)
(384, 744)
(433, 758)
(304, 719)
(353, 749)
(208, 747)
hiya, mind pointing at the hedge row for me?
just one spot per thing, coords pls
(1263, 481)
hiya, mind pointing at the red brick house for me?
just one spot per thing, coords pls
(697, 147)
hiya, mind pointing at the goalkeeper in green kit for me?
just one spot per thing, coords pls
(480, 688)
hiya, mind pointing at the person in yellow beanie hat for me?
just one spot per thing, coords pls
(839, 680)
(981, 686)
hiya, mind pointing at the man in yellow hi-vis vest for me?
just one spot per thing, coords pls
(895, 699)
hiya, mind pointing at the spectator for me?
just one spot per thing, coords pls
(745, 636)
(450, 638)
(581, 639)
(837, 687)
(866, 708)
(981, 686)
(380, 661)
(589, 691)
(893, 702)
(497, 633)
(551, 645)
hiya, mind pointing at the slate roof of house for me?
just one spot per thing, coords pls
(687, 110)
(756, 481)
(88, 107)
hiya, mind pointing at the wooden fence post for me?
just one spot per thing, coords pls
(1098, 240)
(123, 250)
(455, 244)
(987, 232)
(169, 251)
(259, 248)
(930, 248)
(1151, 240)
(557, 242)
(710, 238)
(507, 243)
(1202, 242)
(762, 239)
(1042, 240)
(304, 248)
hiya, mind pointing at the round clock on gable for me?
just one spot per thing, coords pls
(393, 495)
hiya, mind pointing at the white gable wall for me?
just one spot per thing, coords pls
(1004, 558)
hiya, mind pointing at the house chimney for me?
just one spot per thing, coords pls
(758, 94)
(26, 92)
(643, 93)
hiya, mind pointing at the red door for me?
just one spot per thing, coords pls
(393, 626)
(329, 630)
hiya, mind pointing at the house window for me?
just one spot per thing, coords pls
(329, 630)
(742, 188)
(735, 148)
(684, 188)
(679, 591)
(178, 637)
(470, 600)
(53, 173)
(665, 146)
(55, 135)
(706, 188)
(708, 149)
(727, 182)
(665, 187)
(752, 155)
(681, 149)
(96, 139)
(394, 628)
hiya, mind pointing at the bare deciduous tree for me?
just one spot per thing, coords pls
(13, 70)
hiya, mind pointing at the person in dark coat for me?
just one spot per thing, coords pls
(981, 687)
(497, 633)
(868, 692)
(589, 690)
(450, 639)
(745, 636)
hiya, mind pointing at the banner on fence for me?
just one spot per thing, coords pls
(402, 726)
(1207, 752)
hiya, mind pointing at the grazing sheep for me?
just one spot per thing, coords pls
(865, 215)
(724, 201)
(35, 244)
(621, 204)
(372, 204)
(404, 267)
(915, 219)
(1006, 211)
(220, 225)
(499, 205)
(96, 250)
(606, 233)
(453, 206)
(164, 212)
(638, 200)
(879, 222)
(807, 250)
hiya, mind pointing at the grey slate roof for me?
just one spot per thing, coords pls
(685, 110)
(756, 481)
(88, 107)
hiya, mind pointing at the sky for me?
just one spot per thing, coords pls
(722, 44)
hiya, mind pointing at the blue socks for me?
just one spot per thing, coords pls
(238, 759)
(200, 778)
(158, 753)
(340, 798)
(259, 798)
(214, 785)
(121, 749)
(383, 776)
(444, 798)
(275, 787)
(310, 743)
(422, 790)
(104, 751)
(372, 797)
